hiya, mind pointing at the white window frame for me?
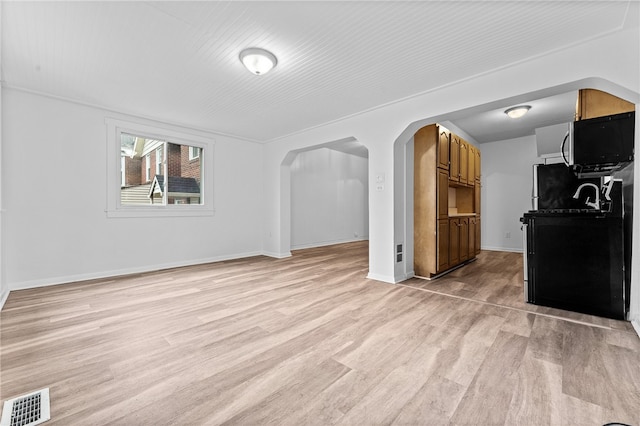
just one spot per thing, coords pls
(191, 156)
(159, 159)
(115, 209)
(147, 167)
(123, 168)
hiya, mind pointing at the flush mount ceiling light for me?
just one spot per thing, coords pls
(517, 111)
(258, 61)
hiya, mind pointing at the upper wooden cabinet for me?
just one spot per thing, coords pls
(595, 103)
(476, 166)
(472, 164)
(464, 162)
(443, 148)
(454, 158)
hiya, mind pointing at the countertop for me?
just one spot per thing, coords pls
(463, 214)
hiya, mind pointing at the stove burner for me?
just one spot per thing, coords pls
(565, 211)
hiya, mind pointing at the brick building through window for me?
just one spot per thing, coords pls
(147, 162)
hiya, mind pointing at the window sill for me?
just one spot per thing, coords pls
(160, 212)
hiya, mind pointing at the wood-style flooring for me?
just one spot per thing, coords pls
(309, 340)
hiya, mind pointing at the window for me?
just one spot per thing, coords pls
(194, 153)
(176, 185)
(147, 165)
(159, 160)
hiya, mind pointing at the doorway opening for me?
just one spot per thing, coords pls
(326, 188)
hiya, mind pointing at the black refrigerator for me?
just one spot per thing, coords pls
(574, 252)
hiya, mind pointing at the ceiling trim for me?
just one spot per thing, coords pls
(155, 120)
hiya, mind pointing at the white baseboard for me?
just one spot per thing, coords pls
(328, 243)
(404, 277)
(23, 285)
(383, 278)
(506, 249)
(636, 326)
(3, 298)
(276, 255)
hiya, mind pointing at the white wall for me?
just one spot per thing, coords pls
(507, 180)
(4, 287)
(329, 198)
(56, 229)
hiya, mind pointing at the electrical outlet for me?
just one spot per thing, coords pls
(507, 235)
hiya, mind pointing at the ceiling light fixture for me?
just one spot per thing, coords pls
(258, 61)
(517, 111)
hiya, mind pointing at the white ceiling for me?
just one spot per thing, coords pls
(495, 125)
(178, 61)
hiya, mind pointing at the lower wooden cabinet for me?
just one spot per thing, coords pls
(443, 245)
(463, 240)
(454, 242)
(477, 240)
(472, 237)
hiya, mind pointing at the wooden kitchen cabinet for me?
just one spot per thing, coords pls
(477, 239)
(454, 158)
(476, 166)
(443, 194)
(471, 249)
(443, 148)
(464, 163)
(445, 230)
(458, 240)
(472, 165)
(464, 239)
(454, 241)
(443, 245)
(427, 199)
(594, 103)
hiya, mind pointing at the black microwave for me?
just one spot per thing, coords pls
(600, 146)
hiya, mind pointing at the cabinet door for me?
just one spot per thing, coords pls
(471, 164)
(464, 239)
(443, 245)
(443, 148)
(443, 194)
(594, 103)
(464, 162)
(471, 250)
(454, 158)
(477, 165)
(454, 242)
(477, 236)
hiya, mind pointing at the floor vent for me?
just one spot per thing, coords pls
(26, 410)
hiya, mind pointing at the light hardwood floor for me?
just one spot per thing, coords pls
(309, 340)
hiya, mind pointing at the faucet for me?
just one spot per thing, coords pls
(595, 204)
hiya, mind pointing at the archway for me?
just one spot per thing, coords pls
(403, 218)
(324, 195)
